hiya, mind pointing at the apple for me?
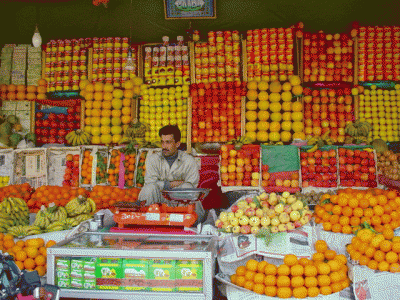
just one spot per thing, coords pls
(290, 226)
(249, 212)
(279, 208)
(254, 221)
(282, 227)
(255, 229)
(284, 218)
(274, 229)
(295, 215)
(265, 221)
(223, 216)
(219, 224)
(259, 213)
(239, 213)
(236, 229)
(246, 229)
(243, 220)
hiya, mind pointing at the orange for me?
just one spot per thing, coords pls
(249, 275)
(369, 251)
(261, 266)
(283, 270)
(40, 260)
(364, 260)
(20, 256)
(335, 277)
(342, 258)
(336, 287)
(313, 292)
(31, 252)
(8, 243)
(373, 264)
(385, 246)
(330, 254)
(252, 265)
(240, 281)
(16, 248)
(259, 288)
(355, 255)
(300, 292)
(283, 281)
(29, 264)
(259, 278)
(325, 290)
(270, 291)
(233, 278)
(290, 260)
(379, 256)
(20, 265)
(310, 271)
(388, 234)
(41, 270)
(305, 261)
(334, 265)
(271, 270)
(20, 243)
(284, 292)
(318, 256)
(249, 285)
(297, 281)
(43, 251)
(396, 247)
(270, 280)
(323, 268)
(324, 280)
(383, 266)
(310, 281)
(50, 243)
(392, 257)
(321, 246)
(394, 268)
(240, 271)
(297, 270)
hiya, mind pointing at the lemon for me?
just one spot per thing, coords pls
(263, 85)
(263, 96)
(251, 115)
(297, 116)
(262, 136)
(275, 107)
(251, 105)
(275, 97)
(116, 138)
(286, 126)
(105, 121)
(116, 130)
(97, 104)
(275, 126)
(118, 93)
(106, 139)
(126, 111)
(105, 129)
(298, 126)
(276, 117)
(286, 96)
(96, 139)
(262, 126)
(95, 131)
(286, 136)
(274, 136)
(251, 135)
(115, 121)
(88, 129)
(286, 86)
(263, 115)
(263, 105)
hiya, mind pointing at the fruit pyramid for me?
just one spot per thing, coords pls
(107, 109)
(273, 113)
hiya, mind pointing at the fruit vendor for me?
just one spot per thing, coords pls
(168, 169)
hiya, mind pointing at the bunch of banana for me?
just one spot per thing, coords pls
(320, 141)
(56, 213)
(135, 132)
(240, 141)
(78, 137)
(5, 222)
(15, 209)
(80, 205)
(59, 226)
(42, 220)
(358, 130)
(24, 230)
(79, 219)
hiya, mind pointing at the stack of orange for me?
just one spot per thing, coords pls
(59, 195)
(23, 92)
(141, 169)
(348, 209)
(325, 273)
(28, 255)
(86, 168)
(129, 165)
(22, 191)
(377, 251)
(106, 196)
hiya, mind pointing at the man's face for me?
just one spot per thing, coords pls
(168, 144)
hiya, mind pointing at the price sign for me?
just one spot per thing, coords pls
(152, 217)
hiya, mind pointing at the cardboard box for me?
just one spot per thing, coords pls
(109, 273)
(77, 283)
(63, 274)
(89, 264)
(63, 263)
(189, 276)
(89, 274)
(76, 273)
(77, 264)
(162, 275)
(89, 284)
(63, 282)
(136, 274)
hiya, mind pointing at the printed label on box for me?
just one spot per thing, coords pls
(77, 264)
(162, 275)
(136, 272)
(189, 275)
(76, 273)
(89, 284)
(77, 283)
(63, 263)
(62, 274)
(109, 273)
(63, 282)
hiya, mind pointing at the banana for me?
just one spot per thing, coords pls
(92, 204)
(313, 149)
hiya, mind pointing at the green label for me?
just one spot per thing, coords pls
(63, 282)
(63, 263)
(109, 268)
(77, 283)
(63, 274)
(77, 264)
(89, 284)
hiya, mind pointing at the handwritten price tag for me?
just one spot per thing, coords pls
(152, 217)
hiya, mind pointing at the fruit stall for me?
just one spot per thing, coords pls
(295, 132)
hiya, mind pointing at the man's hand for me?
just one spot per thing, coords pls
(176, 183)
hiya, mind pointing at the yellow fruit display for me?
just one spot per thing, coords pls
(278, 106)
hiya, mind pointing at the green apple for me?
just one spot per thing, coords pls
(243, 220)
(234, 221)
(275, 221)
(254, 221)
(231, 215)
(223, 216)
(265, 221)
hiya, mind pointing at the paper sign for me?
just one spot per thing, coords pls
(152, 217)
(175, 218)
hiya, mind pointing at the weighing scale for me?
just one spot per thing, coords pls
(161, 218)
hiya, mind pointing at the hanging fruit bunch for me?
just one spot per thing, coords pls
(98, 2)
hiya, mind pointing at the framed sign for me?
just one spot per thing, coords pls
(189, 9)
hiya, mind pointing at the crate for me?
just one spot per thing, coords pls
(103, 152)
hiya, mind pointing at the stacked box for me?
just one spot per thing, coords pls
(63, 272)
(89, 273)
(18, 73)
(77, 273)
(109, 273)
(136, 274)
(34, 72)
(6, 64)
(162, 275)
(189, 276)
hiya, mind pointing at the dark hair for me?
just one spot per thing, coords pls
(171, 129)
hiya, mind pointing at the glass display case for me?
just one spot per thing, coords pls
(126, 266)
